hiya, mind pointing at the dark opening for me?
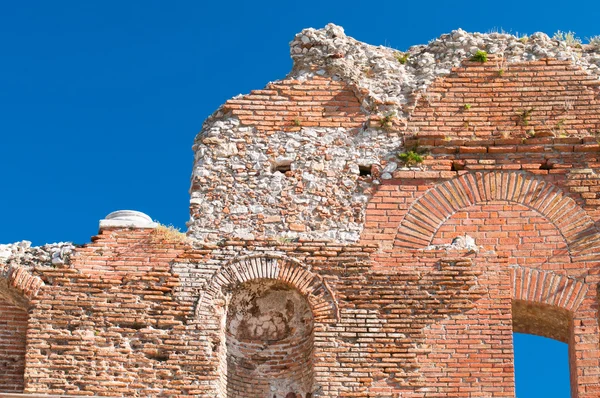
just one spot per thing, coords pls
(282, 167)
(546, 166)
(364, 170)
(456, 166)
(157, 356)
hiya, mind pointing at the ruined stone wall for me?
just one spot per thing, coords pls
(375, 224)
(136, 315)
(301, 157)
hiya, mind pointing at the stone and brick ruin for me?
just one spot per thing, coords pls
(376, 224)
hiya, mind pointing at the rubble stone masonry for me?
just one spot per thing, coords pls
(376, 224)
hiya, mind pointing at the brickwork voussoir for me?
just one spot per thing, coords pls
(271, 266)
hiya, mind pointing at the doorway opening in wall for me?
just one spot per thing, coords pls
(541, 350)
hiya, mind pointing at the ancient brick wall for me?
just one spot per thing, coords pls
(495, 100)
(290, 105)
(319, 264)
(135, 326)
(136, 315)
(283, 177)
(13, 331)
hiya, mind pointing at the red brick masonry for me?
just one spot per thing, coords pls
(137, 314)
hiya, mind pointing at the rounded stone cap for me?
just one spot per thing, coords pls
(127, 219)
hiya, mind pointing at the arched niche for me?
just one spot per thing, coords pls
(265, 310)
(269, 266)
(18, 286)
(268, 341)
(13, 331)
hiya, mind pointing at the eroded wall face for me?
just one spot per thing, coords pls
(523, 235)
(269, 345)
(13, 330)
(379, 324)
(509, 158)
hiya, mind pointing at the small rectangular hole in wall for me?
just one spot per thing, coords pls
(282, 167)
(364, 171)
(457, 166)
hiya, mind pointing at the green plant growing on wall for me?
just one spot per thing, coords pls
(410, 158)
(296, 122)
(525, 116)
(286, 239)
(467, 107)
(524, 39)
(386, 120)
(401, 57)
(480, 56)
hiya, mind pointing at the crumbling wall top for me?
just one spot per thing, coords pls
(25, 255)
(301, 157)
(393, 78)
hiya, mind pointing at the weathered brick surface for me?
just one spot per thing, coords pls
(127, 317)
(13, 329)
(413, 322)
(289, 104)
(542, 98)
(400, 313)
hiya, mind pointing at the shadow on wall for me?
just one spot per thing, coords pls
(13, 329)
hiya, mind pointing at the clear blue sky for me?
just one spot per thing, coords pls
(100, 101)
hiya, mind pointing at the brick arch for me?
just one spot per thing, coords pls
(17, 288)
(19, 285)
(545, 303)
(271, 266)
(428, 213)
(548, 288)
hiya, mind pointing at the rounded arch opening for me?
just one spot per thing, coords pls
(541, 320)
(268, 341)
(538, 359)
(276, 267)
